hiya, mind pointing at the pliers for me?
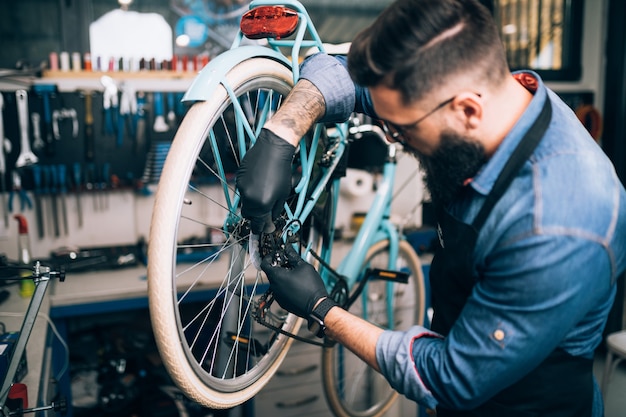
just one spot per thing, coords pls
(110, 104)
(128, 113)
(25, 201)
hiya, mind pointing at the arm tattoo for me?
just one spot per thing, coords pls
(302, 108)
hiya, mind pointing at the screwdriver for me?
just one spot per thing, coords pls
(38, 206)
(54, 182)
(62, 192)
(76, 172)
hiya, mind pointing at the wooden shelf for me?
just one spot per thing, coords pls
(163, 81)
(130, 75)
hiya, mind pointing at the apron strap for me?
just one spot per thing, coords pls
(520, 155)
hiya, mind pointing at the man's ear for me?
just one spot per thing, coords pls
(469, 108)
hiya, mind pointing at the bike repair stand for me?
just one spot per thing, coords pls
(41, 277)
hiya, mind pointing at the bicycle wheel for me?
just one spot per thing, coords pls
(203, 290)
(352, 388)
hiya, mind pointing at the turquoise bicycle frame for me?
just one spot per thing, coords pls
(376, 226)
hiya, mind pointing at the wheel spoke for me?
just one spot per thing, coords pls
(204, 291)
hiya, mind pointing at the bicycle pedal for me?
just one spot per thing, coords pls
(388, 275)
(251, 345)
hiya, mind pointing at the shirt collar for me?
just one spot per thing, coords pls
(484, 180)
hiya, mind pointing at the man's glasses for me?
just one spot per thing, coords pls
(397, 133)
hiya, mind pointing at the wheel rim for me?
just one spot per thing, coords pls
(219, 339)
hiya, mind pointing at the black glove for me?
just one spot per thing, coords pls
(264, 180)
(297, 286)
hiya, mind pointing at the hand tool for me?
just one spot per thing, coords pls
(78, 184)
(54, 182)
(128, 110)
(89, 137)
(27, 285)
(180, 106)
(140, 133)
(62, 171)
(121, 119)
(26, 156)
(62, 114)
(17, 188)
(110, 103)
(155, 159)
(3, 165)
(46, 90)
(36, 169)
(171, 111)
(159, 118)
(38, 143)
(45, 191)
(90, 183)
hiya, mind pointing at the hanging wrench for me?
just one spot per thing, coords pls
(4, 145)
(38, 143)
(26, 156)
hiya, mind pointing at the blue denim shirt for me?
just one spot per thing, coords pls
(546, 260)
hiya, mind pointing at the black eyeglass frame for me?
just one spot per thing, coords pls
(398, 133)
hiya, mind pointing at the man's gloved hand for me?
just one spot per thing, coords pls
(297, 287)
(264, 180)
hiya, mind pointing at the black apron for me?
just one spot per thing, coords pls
(562, 385)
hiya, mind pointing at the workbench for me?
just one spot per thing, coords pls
(91, 293)
(80, 295)
(99, 295)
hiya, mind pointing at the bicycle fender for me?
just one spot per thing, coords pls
(216, 70)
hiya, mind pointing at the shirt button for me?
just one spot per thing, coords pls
(498, 335)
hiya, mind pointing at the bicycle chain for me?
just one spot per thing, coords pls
(264, 304)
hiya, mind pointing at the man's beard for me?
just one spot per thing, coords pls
(448, 168)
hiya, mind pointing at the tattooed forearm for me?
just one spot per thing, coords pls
(301, 109)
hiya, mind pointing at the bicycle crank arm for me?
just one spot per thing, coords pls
(260, 313)
(60, 406)
(325, 343)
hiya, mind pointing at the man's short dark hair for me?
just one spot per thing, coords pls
(415, 45)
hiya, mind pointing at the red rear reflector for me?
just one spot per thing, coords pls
(269, 22)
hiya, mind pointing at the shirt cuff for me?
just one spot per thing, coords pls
(394, 353)
(335, 84)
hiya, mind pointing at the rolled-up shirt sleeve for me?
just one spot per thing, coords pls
(341, 95)
(395, 357)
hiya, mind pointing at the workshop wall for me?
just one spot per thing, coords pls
(109, 203)
(31, 29)
(104, 196)
(115, 181)
(92, 183)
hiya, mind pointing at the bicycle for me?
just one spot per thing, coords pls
(41, 276)
(220, 336)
